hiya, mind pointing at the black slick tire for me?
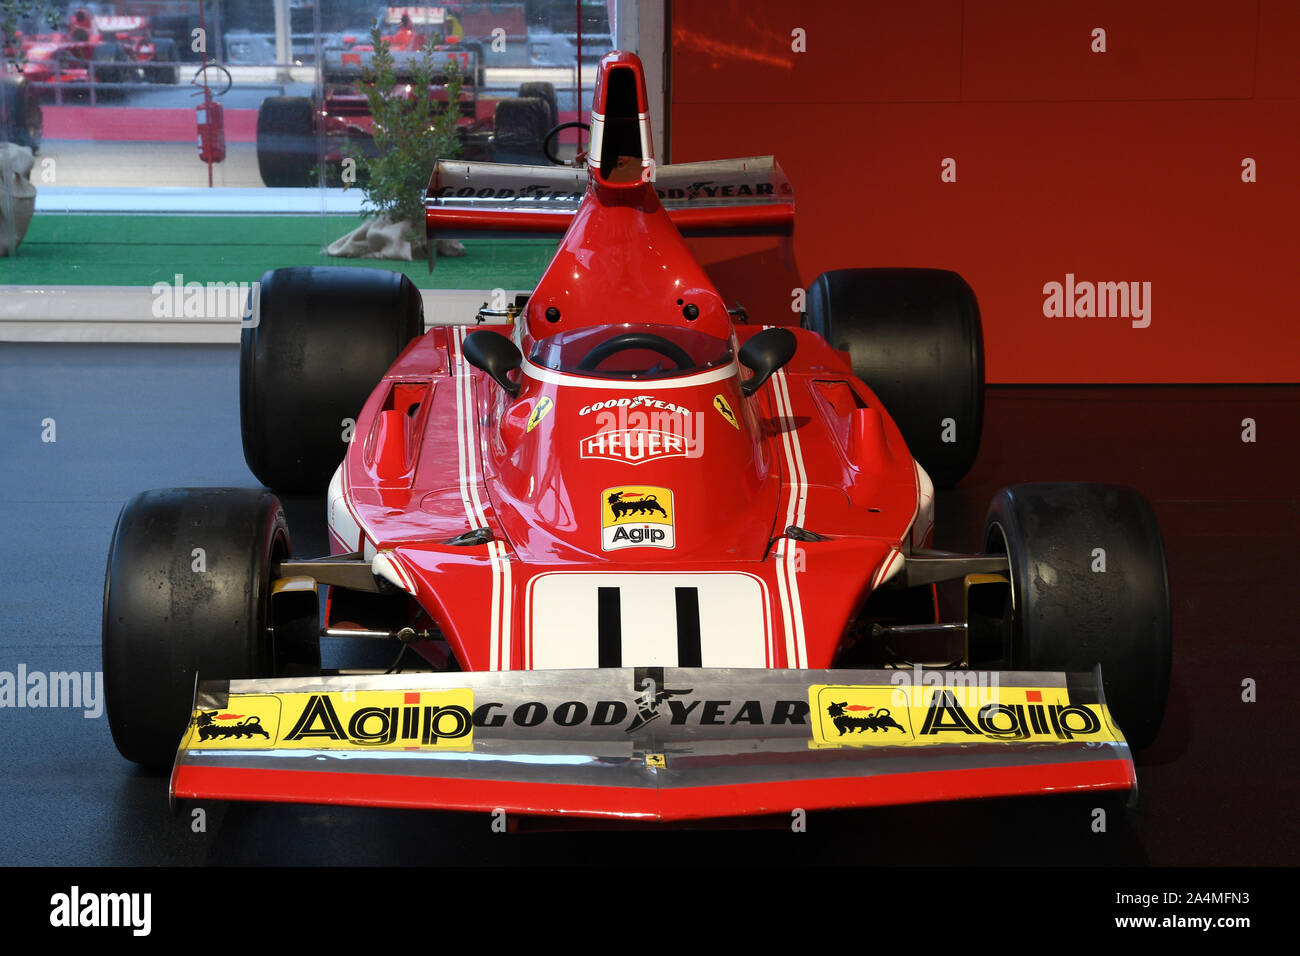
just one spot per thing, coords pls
(914, 337)
(286, 140)
(1088, 586)
(186, 593)
(316, 346)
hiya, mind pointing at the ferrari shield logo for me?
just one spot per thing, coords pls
(636, 516)
(540, 410)
(724, 409)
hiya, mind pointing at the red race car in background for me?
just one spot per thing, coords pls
(657, 563)
(502, 128)
(101, 49)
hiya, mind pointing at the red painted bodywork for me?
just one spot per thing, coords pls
(839, 461)
(441, 450)
(633, 804)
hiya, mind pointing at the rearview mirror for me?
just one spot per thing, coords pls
(494, 354)
(764, 354)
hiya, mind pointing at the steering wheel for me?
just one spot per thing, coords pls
(636, 340)
(549, 150)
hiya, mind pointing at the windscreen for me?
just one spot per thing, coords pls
(631, 351)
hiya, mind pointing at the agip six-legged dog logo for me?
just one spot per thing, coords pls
(647, 505)
(848, 723)
(637, 516)
(209, 729)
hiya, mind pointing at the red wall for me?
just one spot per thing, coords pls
(1116, 166)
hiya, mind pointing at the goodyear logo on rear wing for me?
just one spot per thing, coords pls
(341, 720)
(866, 716)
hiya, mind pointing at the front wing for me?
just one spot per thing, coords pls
(651, 743)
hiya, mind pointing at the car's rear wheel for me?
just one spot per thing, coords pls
(286, 140)
(546, 93)
(188, 591)
(519, 127)
(1088, 586)
(110, 66)
(914, 336)
(314, 348)
(165, 67)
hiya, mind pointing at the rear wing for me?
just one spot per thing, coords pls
(726, 197)
(418, 16)
(342, 63)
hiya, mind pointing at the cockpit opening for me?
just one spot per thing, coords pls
(631, 351)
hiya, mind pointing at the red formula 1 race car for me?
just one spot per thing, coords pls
(292, 129)
(96, 49)
(658, 563)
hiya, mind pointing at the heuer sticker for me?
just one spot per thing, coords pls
(881, 716)
(540, 411)
(340, 720)
(636, 516)
(724, 409)
(635, 446)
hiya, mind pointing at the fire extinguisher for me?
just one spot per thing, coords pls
(211, 117)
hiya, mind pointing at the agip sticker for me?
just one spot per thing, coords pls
(338, 720)
(879, 716)
(636, 516)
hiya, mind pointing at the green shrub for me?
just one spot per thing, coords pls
(411, 133)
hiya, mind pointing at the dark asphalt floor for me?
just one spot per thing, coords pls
(1218, 788)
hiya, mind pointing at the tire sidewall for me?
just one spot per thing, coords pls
(168, 619)
(1069, 616)
(321, 342)
(915, 338)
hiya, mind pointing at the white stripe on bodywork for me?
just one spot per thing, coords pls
(468, 449)
(888, 568)
(798, 505)
(339, 516)
(388, 566)
(787, 551)
(923, 522)
(595, 137)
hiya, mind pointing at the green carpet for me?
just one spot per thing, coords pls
(142, 250)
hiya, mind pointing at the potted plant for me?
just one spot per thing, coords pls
(411, 132)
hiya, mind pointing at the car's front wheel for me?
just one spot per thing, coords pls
(189, 591)
(1088, 586)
